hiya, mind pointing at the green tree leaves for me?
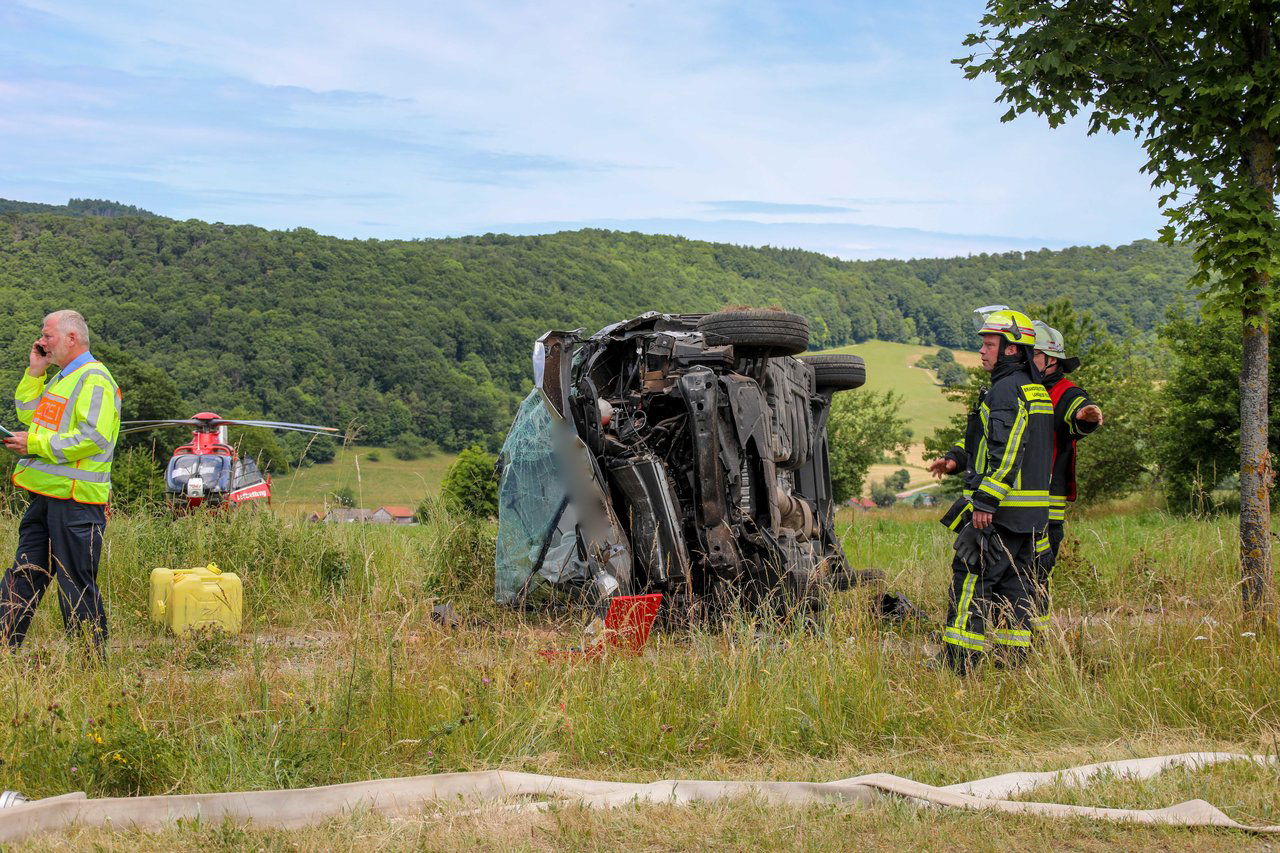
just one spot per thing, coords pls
(1120, 375)
(1198, 435)
(432, 338)
(864, 427)
(1198, 82)
(471, 484)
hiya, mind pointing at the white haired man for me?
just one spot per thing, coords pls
(73, 420)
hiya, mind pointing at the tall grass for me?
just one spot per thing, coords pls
(342, 675)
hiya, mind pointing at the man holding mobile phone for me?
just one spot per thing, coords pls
(73, 420)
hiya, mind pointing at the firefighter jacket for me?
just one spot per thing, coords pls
(1007, 452)
(1068, 398)
(72, 422)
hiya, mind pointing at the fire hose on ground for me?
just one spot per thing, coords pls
(410, 796)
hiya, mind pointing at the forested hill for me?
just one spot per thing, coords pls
(74, 207)
(433, 337)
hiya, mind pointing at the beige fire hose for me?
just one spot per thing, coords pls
(410, 796)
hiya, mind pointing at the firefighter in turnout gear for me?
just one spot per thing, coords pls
(1074, 417)
(65, 464)
(1000, 522)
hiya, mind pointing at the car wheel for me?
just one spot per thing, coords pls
(838, 372)
(775, 332)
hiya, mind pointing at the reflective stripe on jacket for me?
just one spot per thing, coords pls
(1008, 445)
(72, 423)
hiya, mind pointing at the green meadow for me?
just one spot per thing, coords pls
(341, 675)
(891, 367)
(387, 480)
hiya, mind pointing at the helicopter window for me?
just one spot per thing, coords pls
(245, 473)
(214, 470)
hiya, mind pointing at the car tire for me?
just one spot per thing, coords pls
(774, 332)
(838, 372)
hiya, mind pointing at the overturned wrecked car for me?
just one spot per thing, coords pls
(677, 453)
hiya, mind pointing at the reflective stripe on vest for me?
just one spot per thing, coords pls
(71, 473)
(62, 470)
(64, 421)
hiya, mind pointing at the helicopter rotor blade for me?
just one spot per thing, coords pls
(286, 424)
(278, 425)
(164, 422)
(214, 423)
(307, 431)
(144, 426)
(130, 430)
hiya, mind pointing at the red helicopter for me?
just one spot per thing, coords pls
(208, 472)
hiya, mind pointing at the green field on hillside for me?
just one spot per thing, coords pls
(890, 366)
(386, 481)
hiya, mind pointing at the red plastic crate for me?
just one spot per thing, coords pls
(627, 625)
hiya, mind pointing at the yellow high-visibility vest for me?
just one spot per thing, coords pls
(72, 423)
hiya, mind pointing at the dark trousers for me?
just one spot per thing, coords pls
(994, 592)
(1044, 569)
(63, 539)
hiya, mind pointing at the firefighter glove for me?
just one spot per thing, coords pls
(970, 545)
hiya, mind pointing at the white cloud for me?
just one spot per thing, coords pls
(464, 115)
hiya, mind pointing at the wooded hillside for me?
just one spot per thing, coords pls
(433, 337)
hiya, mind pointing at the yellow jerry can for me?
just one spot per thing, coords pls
(201, 597)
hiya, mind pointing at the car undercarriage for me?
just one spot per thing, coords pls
(677, 453)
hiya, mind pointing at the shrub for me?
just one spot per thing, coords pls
(303, 449)
(333, 568)
(410, 446)
(373, 456)
(863, 427)
(936, 361)
(116, 754)
(952, 374)
(898, 480)
(471, 484)
(884, 495)
(344, 496)
(137, 482)
(204, 647)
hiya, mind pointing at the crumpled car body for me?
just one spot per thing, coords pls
(677, 453)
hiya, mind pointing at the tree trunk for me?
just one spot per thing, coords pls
(1255, 463)
(1257, 576)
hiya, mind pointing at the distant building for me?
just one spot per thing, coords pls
(342, 514)
(862, 503)
(394, 515)
(381, 515)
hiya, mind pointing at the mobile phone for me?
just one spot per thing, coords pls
(41, 350)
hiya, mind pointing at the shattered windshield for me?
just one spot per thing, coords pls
(536, 527)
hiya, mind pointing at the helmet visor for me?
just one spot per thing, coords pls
(980, 315)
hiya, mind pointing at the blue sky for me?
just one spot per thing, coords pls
(834, 126)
